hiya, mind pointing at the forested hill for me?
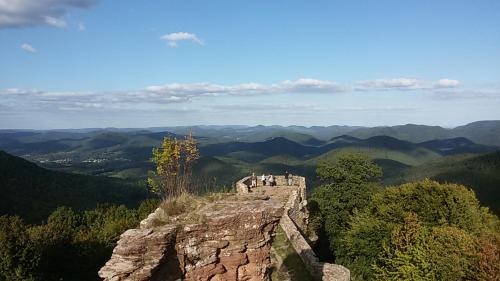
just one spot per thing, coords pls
(481, 173)
(33, 192)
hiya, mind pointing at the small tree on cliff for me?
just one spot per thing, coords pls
(174, 163)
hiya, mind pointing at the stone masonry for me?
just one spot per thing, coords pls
(230, 239)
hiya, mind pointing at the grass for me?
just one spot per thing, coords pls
(184, 208)
(179, 205)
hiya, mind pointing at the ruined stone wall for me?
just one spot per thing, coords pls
(243, 185)
(294, 222)
(230, 241)
(290, 223)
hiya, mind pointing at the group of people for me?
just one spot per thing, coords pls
(271, 179)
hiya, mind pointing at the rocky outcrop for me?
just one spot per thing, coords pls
(230, 241)
(139, 254)
(227, 239)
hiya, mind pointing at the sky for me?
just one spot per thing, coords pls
(110, 63)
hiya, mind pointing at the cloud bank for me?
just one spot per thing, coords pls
(303, 85)
(25, 13)
(157, 96)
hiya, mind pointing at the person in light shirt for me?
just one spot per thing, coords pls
(272, 181)
(254, 180)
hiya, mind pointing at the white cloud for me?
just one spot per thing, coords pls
(173, 38)
(404, 83)
(294, 107)
(55, 22)
(12, 91)
(23, 13)
(158, 96)
(444, 93)
(311, 85)
(304, 85)
(447, 83)
(82, 27)
(27, 47)
(385, 84)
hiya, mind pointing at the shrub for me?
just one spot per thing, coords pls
(174, 163)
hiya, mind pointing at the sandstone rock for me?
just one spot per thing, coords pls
(217, 249)
(226, 240)
(138, 253)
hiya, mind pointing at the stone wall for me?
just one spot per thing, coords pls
(294, 223)
(243, 185)
(231, 241)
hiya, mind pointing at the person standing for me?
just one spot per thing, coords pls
(286, 177)
(254, 180)
(263, 179)
(271, 181)
(290, 180)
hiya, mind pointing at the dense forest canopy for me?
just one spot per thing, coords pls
(416, 231)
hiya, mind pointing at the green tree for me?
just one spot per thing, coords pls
(70, 246)
(404, 258)
(450, 219)
(452, 253)
(18, 257)
(350, 182)
(354, 168)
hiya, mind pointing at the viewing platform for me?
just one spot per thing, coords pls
(226, 236)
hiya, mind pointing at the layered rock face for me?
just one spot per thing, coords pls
(230, 241)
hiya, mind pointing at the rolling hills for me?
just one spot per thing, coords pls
(231, 152)
(480, 172)
(33, 192)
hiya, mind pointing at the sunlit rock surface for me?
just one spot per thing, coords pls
(229, 239)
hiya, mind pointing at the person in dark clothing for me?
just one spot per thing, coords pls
(286, 177)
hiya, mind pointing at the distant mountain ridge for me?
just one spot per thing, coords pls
(281, 145)
(481, 132)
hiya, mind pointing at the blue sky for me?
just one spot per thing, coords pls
(100, 63)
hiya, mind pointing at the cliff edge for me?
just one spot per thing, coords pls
(226, 238)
